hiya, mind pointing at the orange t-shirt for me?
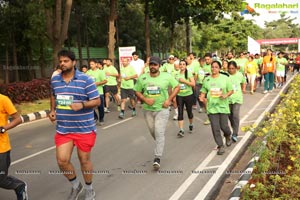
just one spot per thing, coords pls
(6, 109)
(269, 66)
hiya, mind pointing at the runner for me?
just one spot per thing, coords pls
(207, 71)
(280, 69)
(251, 70)
(169, 66)
(137, 63)
(199, 76)
(111, 87)
(74, 95)
(238, 82)
(268, 70)
(185, 97)
(100, 79)
(152, 89)
(128, 74)
(218, 88)
(174, 74)
(7, 110)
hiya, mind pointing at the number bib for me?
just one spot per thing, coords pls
(64, 101)
(215, 92)
(153, 91)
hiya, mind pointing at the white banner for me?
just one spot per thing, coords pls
(125, 52)
(253, 46)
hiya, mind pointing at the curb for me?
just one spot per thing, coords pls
(35, 116)
(246, 175)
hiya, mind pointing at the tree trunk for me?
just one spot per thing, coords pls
(78, 35)
(57, 28)
(112, 30)
(87, 42)
(172, 38)
(188, 35)
(147, 29)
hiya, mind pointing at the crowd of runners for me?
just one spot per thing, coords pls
(211, 85)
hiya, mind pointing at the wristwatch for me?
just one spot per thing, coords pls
(2, 129)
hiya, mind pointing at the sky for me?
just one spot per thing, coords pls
(291, 7)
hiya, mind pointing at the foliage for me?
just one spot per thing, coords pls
(27, 91)
(277, 173)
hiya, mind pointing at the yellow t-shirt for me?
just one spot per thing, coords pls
(251, 67)
(6, 109)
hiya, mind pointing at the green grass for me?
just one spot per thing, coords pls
(30, 107)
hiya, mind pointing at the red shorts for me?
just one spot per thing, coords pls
(84, 142)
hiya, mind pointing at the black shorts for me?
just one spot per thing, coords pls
(111, 89)
(125, 93)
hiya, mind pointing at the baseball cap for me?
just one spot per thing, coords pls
(155, 60)
(171, 56)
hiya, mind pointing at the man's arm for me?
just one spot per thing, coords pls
(16, 120)
(171, 96)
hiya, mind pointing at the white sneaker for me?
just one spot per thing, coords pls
(175, 117)
(265, 92)
(200, 110)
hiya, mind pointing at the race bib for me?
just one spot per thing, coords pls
(201, 72)
(269, 65)
(182, 87)
(123, 75)
(153, 91)
(63, 102)
(235, 88)
(215, 92)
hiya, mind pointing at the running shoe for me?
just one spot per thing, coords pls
(156, 164)
(234, 138)
(75, 192)
(121, 115)
(265, 92)
(106, 110)
(21, 192)
(228, 140)
(180, 134)
(207, 122)
(191, 128)
(133, 113)
(90, 194)
(175, 117)
(221, 150)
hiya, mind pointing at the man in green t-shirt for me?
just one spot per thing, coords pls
(100, 79)
(111, 87)
(128, 74)
(214, 93)
(152, 89)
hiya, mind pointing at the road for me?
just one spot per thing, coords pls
(123, 156)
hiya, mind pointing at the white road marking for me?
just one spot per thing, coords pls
(120, 122)
(33, 155)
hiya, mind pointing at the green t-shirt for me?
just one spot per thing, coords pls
(200, 74)
(167, 67)
(185, 90)
(191, 68)
(236, 80)
(214, 88)
(111, 80)
(125, 72)
(207, 68)
(281, 62)
(155, 87)
(98, 76)
(241, 62)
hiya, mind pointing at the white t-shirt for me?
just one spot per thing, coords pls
(137, 65)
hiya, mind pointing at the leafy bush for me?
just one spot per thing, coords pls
(27, 91)
(276, 174)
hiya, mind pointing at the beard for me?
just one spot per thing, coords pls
(153, 70)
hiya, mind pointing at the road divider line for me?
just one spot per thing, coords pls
(184, 186)
(124, 120)
(33, 155)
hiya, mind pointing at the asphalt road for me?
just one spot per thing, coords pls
(123, 157)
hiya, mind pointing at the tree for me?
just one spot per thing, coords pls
(112, 29)
(57, 24)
